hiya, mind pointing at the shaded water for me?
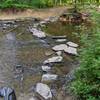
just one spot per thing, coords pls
(19, 47)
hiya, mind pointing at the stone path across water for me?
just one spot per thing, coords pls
(32, 53)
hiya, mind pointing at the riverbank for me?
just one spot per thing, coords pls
(29, 13)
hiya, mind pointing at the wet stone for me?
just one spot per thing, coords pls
(46, 68)
(49, 77)
(72, 44)
(55, 59)
(37, 33)
(43, 91)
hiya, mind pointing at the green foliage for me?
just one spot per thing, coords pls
(41, 3)
(87, 83)
(47, 3)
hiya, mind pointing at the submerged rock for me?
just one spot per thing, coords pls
(55, 59)
(49, 53)
(72, 44)
(38, 33)
(49, 77)
(46, 68)
(44, 91)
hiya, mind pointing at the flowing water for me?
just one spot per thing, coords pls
(19, 47)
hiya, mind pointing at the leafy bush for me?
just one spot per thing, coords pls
(87, 83)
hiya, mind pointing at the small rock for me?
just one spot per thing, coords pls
(46, 68)
(59, 37)
(72, 44)
(59, 53)
(49, 77)
(55, 59)
(44, 91)
(61, 40)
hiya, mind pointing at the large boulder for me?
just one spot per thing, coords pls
(44, 91)
(38, 33)
(72, 44)
(55, 59)
(49, 77)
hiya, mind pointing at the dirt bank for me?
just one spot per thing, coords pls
(37, 13)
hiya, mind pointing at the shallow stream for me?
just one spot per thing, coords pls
(19, 47)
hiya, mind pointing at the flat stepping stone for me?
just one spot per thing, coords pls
(72, 44)
(61, 40)
(46, 68)
(65, 48)
(71, 50)
(60, 47)
(49, 77)
(59, 37)
(44, 91)
(55, 59)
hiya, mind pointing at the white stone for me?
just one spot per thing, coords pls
(43, 22)
(60, 47)
(49, 77)
(38, 33)
(55, 59)
(32, 98)
(44, 91)
(71, 50)
(46, 68)
(65, 48)
(59, 53)
(61, 40)
(72, 44)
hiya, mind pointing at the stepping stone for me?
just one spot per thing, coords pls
(61, 40)
(46, 68)
(49, 77)
(60, 47)
(65, 48)
(59, 37)
(59, 53)
(72, 44)
(55, 59)
(38, 33)
(71, 50)
(44, 91)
